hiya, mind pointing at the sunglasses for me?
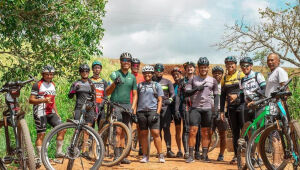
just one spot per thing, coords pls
(135, 65)
(245, 65)
(125, 60)
(85, 71)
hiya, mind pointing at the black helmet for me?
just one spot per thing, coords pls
(189, 63)
(217, 68)
(230, 59)
(84, 67)
(246, 60)
(48, 69)
(203, 61)
(176, 69)
(135, 61)
(125, 55)
(159, 67)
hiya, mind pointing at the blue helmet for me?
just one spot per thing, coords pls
(246, 60)
(96, 63)
(203, 61)
(230, 59)
(217, 68)
(159, 67)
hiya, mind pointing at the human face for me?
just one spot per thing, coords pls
(125, 63)
(48, 76)
(203, 70)
(246, 68)
(148, 76)
(135, 68)
(97, 70)
(190, 69)
(158, 74)
(230, 67)
(176, 76)
(84, 74)
(218, 76)
(273, 61)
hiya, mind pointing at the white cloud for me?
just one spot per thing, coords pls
(250, 8)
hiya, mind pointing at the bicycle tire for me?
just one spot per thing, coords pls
(2, 166)
(69, 125)
(262, 149)
(213, 144)
(126, 148)
(295, 135)
(242, 145)
(24, 136)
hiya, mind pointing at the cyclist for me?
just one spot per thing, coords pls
(230, 92)
(276, 78)
(150, 95)
(100, 86)
(84, 89)
(176, 74)
(44, 109)
(183, 102)
(220, 123)
(165, 115)
(201, 112)
(135, 67)
(124, 83)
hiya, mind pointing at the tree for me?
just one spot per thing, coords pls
(278, 32)
(63, 33)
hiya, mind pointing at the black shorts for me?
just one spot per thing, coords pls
(145, 120)
(221, 125)
(121, 115)
(200, 116)
(41, 121)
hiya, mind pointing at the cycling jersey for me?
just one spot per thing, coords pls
(251, 83)
(277, 76)
(100, 86)
(201, 99)
(82, 90)
(147, 100)
(168, 90)
(41, 90)
(139, 79)
(121, 93)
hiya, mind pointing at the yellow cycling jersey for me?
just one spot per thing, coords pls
(231, 82)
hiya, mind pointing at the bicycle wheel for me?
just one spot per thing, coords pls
(242, 145)
(79, 155)
(115, 150)
(135, 141)
(2, 166)
(295, 135)
(26, 156)
(213, 143)
(273, 156)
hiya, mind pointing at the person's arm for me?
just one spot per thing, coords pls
(35, 101)
(72, 91)
(110, 89)
(159, 104)
(171, 90)
(55, 109)
(216, 103)
(177, 100)
(134, 99)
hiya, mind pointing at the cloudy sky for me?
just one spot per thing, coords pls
(170, 31)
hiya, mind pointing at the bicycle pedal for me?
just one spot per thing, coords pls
(8, 159)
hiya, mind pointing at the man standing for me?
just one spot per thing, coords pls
(165, 115)
(123, 83)
(202, 87)
(44, 109)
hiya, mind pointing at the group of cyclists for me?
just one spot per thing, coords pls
(196, 102)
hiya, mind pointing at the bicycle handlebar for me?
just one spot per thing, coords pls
(116, 104)
(19, 84)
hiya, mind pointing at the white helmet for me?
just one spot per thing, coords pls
(148, 68)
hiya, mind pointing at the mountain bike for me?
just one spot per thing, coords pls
(285, 134)
(76, 146)
(109, 135)
(23, 152)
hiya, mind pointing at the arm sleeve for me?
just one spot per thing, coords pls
(216, 102)
(72, 91)
(222, 99)
(171, 89)
(35, 89)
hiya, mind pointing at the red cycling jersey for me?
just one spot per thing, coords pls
(139, 79)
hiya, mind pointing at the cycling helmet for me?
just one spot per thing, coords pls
(189, 63)
(125, 55)
(246, 60)
(96, 63)
(230, 59)
(84, 67)
(135, 61)
(148, 68)
(176, 69)
(159, 67)
(203, 61)
(48, 69)
(217, 68)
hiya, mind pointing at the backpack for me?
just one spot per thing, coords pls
(153, 85)
(243, 79)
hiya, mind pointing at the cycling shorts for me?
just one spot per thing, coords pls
(200, 116)
(121, 115)
(41, 121)
(145, 120)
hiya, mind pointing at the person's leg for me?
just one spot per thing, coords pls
(195, 118)
(166, 118)
(126, 120)
(54, 120)
(235, 128)
(185, 134)
(40, 123)
(198, 143)
(206, 123)
(178, 137)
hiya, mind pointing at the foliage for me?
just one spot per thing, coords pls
(294, 100)
(278, 32)
(62, 33)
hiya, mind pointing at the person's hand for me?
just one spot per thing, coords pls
(118, 80)
(222, 116)
(232, 97)
(155, 118)
(177, 115)
(168, 101)
(250, 104)
(47, 100)
(134, 118)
